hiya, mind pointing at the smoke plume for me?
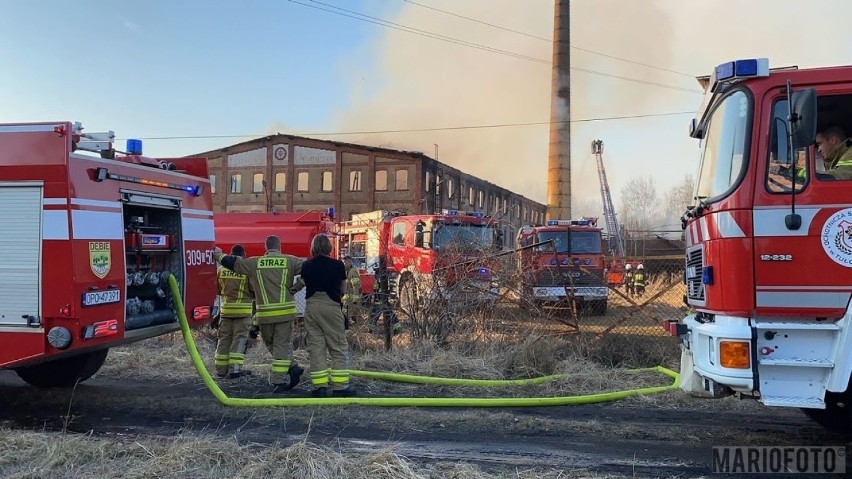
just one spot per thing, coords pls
(405, 81)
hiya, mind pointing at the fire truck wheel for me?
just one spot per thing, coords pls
(65, 372)
(837, 415)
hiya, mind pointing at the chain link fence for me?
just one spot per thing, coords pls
(482, 297)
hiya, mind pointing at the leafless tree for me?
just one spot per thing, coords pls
(640, 209)
(679, 198)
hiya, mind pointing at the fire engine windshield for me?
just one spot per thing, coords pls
(582, 242)
(464, 236)
(724, 147)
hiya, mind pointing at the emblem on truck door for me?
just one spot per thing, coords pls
(836, 237)
(99, 258)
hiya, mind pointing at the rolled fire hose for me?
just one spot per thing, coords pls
(409, 401)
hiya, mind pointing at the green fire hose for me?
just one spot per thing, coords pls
(408, 401)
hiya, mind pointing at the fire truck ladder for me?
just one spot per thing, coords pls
(616, 241)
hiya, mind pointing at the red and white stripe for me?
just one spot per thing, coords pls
(104, 220)
(724, 224)
(834, 297)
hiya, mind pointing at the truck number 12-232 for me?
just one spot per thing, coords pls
(776, 257)
(196, 257)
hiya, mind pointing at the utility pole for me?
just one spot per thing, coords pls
(559, 154)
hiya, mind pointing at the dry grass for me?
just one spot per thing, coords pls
(165, 359)
(56, 456)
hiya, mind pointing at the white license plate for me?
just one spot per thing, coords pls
(101, 297)
(560, 291)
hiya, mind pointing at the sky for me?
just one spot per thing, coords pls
(156, 68)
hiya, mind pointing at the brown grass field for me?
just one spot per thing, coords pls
(156, 378)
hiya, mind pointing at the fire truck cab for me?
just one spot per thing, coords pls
(769, 240)
(562, 259)
(87, 246)
(422, 252)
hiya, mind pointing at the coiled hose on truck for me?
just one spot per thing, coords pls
(408, 401)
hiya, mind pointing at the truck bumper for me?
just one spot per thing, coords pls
(702, 371)
(555, 293)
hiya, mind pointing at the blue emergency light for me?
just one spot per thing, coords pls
(752, 67)
(134, 147)
(452, 212)
(552, 223)
(707, 275)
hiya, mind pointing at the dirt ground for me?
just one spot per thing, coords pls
(666, 435)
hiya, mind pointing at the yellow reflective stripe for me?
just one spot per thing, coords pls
(282, 293)
(262, 287)
(276, 312)
(236, 308)
(268, 306)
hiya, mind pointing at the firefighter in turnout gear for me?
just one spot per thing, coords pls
(639, 280)
(352, 295)
(235, 315)
(628, 279)
(272, 279)
(382, 307)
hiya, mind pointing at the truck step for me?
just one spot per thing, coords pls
(804, 362)
(787, 401)
(823, 325)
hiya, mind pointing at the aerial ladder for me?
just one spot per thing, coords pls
(617, 250)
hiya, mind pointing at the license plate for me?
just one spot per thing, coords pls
(580, 292)
(95, 298)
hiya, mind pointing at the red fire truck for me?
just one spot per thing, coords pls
(295, 229)
(86, 246)
(564, 258)
(769, 241)
(423, 252)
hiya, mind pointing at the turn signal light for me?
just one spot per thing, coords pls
(201, 313)
(734, 354)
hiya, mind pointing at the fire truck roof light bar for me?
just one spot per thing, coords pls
(476, 214)
(582, 222)
(726, 73)
(102, 174)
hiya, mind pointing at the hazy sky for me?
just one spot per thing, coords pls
(156, 68)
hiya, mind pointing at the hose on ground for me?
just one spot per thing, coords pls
(226, 400)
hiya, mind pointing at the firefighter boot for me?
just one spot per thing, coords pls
(295, 374)
(237, 359)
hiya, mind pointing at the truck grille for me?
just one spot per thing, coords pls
(694, 273)
(569, 276)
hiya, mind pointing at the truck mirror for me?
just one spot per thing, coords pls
(780, 151)
(803, 106)
(418, 234)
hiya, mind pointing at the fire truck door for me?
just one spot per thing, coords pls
(20, 252)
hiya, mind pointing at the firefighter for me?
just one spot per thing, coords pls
(272, 279)
(235, 316)
(628, 279)
(836, 151)
(352, 296)
(325, 281)
(639, 280)
(381, 300)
